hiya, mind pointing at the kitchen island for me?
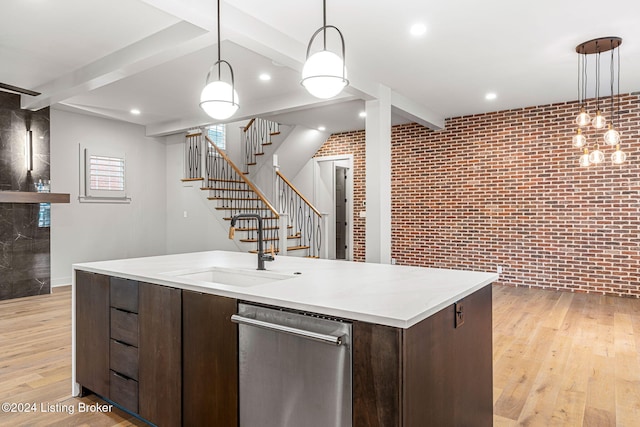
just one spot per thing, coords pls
(421, 339)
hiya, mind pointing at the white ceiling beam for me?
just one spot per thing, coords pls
(284, 104)
(416, 112)
(175, 41)
(261, 38)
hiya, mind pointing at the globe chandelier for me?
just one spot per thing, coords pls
(219, 99)
(611, 137)
(324, 73)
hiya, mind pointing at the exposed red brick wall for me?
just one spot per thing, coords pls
(505, 189)
(352, 143)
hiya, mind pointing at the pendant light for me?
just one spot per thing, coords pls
(324, 74)
(219, 99)
(611, 137)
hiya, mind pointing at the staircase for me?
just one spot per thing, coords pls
(257, 135)
(233, 193)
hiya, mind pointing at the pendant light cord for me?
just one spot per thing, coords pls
(219, 64)
(611, 70)
(324, 22)
(618, 109)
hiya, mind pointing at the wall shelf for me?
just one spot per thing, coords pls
(32, 197)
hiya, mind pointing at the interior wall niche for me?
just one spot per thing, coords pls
(24, 234)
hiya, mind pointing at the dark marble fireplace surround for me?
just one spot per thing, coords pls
(24, 246)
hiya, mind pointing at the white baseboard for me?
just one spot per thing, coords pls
(62, 281)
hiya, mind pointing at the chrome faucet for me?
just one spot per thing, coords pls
(262, 257)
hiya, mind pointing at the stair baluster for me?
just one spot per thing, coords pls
(305, 221)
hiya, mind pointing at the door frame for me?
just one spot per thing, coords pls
(349, 192)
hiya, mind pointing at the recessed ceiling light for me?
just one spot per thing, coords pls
(418, 29)
(265, 77)
(490, 96)
(322, 128)
(135, 111)
(362, 114)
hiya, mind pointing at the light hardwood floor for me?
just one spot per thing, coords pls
(559, 359)
(564, 359)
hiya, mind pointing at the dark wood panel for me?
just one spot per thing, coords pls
(92, 332)
(124, 326)
(124, 391)
(32, 197)
(123, 359)
(160, 383)
(124, 294)
(447, 370)
(473, 376)
(210, 360)
(376, 375)
(429, 363)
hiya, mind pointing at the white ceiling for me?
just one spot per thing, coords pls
(106, 57)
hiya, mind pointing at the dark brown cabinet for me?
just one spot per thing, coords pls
(431, 374)
(160, 351)
(210, 356)
(123, 345)
(128, 345)
(171, 356)
(92, 332)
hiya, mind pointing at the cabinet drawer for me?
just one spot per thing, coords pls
(124, 294)
(123, 359)
(124, 391)
(124, 326)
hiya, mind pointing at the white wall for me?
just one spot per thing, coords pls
(83, 232)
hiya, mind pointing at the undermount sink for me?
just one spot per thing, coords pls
(230, 276)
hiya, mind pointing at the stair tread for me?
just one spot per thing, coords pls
(226, 189)
(296, 248)
(238, 181)
(267, 143)
(274, 133)
(192, 179)
(227, 208)
(289, 248)
(266, 239)
(233, 198)
(256, 228)
(247, 219)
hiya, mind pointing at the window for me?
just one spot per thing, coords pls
(106, 173)
(216, 134)
(103, 176)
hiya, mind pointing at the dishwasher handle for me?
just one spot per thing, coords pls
(303, 333)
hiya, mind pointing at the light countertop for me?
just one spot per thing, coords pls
(391, 295)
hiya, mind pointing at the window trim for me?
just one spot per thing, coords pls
(89, 194)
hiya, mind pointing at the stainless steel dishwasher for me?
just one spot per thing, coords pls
(295, 369)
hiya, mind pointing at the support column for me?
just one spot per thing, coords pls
(378, 178)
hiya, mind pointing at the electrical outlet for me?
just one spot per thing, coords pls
(185, 214)
(393, 261)
(499, 269)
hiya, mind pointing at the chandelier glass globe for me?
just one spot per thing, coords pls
(599, 122)
(584, 159)
(583, 118)
(596, 156)
(612, 136)
(618, 157)
(579, 139)
(324, 75)
(219, 100)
